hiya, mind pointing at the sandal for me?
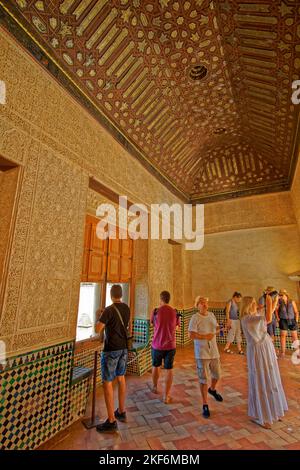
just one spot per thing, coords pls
(241, 353)
(228, 351)
(263, 425)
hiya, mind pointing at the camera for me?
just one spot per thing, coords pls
(272, 294)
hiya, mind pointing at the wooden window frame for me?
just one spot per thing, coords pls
(91, 219)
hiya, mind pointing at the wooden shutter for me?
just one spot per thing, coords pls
(94, 254)
(113, 265)
(97, 258)
(113, 269)
(86, 253)
(126, 260)
(126, 247)
(95, 261)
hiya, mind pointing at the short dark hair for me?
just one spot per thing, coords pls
(237, 294)
(116, 291)
(165, 296)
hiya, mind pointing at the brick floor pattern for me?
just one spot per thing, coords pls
(153, 425)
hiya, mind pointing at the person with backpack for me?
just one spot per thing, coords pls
(165, 320)
(287, 315)
(269, 301)
(233, 323)
(115, 321)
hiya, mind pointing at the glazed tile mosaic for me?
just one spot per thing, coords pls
(182, 334)
(139, 359)
(37, 397)
(85, 358)
(79, 394)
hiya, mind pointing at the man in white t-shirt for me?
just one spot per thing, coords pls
(203, 328)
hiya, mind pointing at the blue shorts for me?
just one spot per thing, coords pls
(113, 364)
(159, 355)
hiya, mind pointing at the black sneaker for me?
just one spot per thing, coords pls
(120, 416)
(215, 394)
(107, 426)
(205, 412)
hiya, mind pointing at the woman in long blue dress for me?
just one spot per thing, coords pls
(266, 401)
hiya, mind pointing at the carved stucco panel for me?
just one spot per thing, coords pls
(13, 144)
(295, 194)
(48, 244)
(40, 338)
(22, 82)
(140, 262)
(51, 251)
(81, 213)
(178, 276)
(188, 300)
(160, 268)
(267, 211)
(15, 271)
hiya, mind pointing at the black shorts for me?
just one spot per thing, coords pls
(288, 325)
(159, 355)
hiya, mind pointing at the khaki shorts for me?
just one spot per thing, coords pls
(208, 367)
(234, 332)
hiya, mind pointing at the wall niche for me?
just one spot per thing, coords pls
(10, 174)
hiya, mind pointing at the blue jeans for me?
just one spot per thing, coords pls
(271, 327)
(113, 364)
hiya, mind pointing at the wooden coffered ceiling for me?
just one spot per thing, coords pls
(199, 91)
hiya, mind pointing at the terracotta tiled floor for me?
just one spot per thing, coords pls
(154, 425)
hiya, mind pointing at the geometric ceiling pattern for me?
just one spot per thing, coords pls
(200, 89)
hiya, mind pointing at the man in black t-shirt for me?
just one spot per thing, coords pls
(115, 321)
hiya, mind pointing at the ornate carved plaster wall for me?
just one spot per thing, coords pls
(59, 146)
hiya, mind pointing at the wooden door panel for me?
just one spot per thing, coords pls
(97, 267)
(126, 248)
(114, 247)
(115, 244)
(97, 255)
(95, 261)
(97, 244)
(86, 253)
(125, 269)
(87, 235)
(85, 266)
(113, 268)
